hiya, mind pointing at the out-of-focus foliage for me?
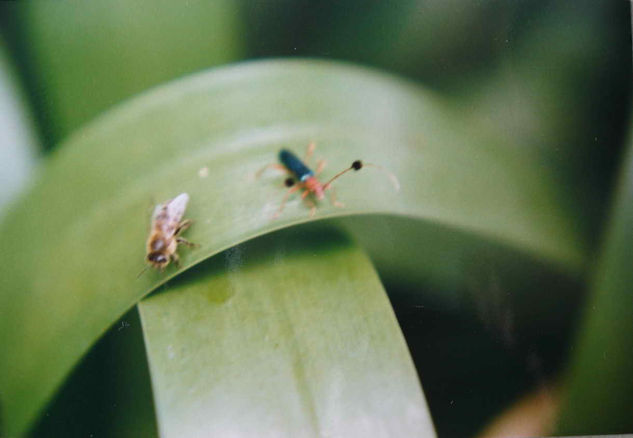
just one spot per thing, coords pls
(442, 42)
(551, 76)
(532, 415)
(599, 396)
(83, 57)
(109, 393)
(18, 143)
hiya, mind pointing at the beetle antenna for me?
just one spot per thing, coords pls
(341, 173)
(391, 176)
(357, 165)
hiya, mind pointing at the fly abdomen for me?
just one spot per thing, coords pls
(295, 165)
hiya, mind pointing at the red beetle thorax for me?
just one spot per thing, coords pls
(313, 185)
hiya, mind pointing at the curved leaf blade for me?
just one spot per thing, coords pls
(76, 244)
(109, 393)
(599, 392)
(289, 335)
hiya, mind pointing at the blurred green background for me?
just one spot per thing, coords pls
(552, 77)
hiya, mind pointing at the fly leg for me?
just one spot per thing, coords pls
(182, 226)
(186, 242)
(174, 258)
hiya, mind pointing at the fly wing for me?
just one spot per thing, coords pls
(176, 207)
(155, 214)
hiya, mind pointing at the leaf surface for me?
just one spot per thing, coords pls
(291, 334)
(74, 246)
(599, 392)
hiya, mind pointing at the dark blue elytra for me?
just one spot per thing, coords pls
(295, 165)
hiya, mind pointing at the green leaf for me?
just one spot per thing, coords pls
(461, 272)
(109, 393)
(87, 56)
(289, 335)
(72, 250)
(19, 145)
(599, 392)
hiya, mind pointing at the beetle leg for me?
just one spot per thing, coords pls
(311, 204)
(320, 166)
(333, 199)
(273, 166)
(309, 151)
(290, 191)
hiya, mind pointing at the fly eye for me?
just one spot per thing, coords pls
(357, 165)
(289, 182)
(157, 258)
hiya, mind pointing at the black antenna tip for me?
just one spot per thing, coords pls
(289, 182)
(357, 165)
